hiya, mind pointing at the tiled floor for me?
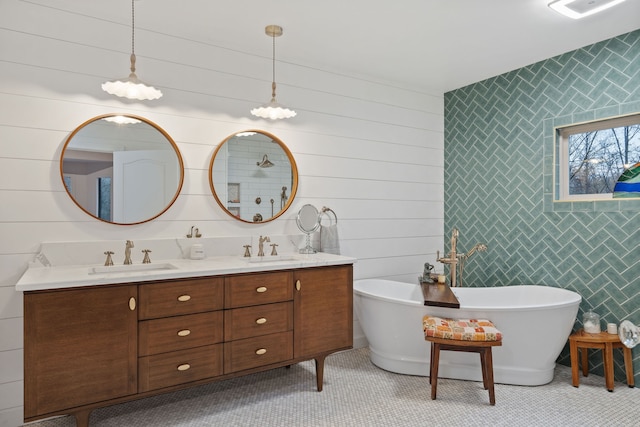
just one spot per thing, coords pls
(356, 393)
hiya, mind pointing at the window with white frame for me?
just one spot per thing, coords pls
(593, 155)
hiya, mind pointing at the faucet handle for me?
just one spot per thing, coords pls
(273, 249)
(109, 260)
(146, 259)
(247, 251)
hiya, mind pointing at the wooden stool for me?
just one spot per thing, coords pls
(469, 335)
(581, 341)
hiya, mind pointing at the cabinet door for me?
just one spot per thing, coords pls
(79, 347)
(323, 310)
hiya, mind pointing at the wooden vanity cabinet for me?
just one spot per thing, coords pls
(180, 332)
(80, 347)
(258, 320)
(323, 307)
(91, 347)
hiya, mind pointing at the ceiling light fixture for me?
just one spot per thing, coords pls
(273, 110)
(131, 87)
(121, 120)
(577, 9)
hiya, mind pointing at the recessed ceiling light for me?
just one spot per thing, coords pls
(577, 9)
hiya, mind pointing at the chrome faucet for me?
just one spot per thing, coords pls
(455, 260)
(261, 242)
(127, 252)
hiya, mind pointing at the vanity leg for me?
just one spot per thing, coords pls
(82, 418)
(319, 371)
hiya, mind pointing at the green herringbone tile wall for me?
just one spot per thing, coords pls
(494, 169)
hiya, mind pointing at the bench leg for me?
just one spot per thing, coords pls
(628, 366)
(489, 368)
(435, 361)
(575, 379)
(483, 365)
(607, 355)
(431, 363)
(585, 362)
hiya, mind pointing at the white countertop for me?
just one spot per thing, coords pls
(69, 276)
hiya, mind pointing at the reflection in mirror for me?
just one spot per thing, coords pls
(308, 221)
(253, 176)
(121, 169)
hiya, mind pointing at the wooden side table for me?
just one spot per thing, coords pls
(581, 341)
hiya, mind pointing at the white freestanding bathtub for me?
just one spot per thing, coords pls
(535, 322)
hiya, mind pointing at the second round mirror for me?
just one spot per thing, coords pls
(253, 176)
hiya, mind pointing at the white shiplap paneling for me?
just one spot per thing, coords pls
(371, 152)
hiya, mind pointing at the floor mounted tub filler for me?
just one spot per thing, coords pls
(535, 321)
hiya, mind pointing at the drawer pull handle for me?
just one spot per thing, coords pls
(261, 289)
(132, 303)
(183, 298)
(261, 320)
(183, 367)
(184, 332)
(298, 285)
(261, 351)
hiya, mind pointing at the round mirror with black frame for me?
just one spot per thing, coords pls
(121, 169)
(253, 176)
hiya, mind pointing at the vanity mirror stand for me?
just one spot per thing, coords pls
(308, 221)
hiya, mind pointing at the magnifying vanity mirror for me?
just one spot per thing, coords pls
(308, 221)
(121, 169)
(253, 176)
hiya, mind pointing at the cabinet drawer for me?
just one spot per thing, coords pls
(179, 332)
(258, 320)
(259, 351)
(180, 297)
(254, 289)
(178, 367)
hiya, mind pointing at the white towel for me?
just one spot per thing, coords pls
(329, 241)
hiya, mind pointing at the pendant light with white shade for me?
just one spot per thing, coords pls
(131, 87)
(273, 110)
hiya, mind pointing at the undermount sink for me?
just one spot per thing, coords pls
(272, 258)
(131, 268)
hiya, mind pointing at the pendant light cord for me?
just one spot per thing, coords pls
(273, 82)
(133, 37)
